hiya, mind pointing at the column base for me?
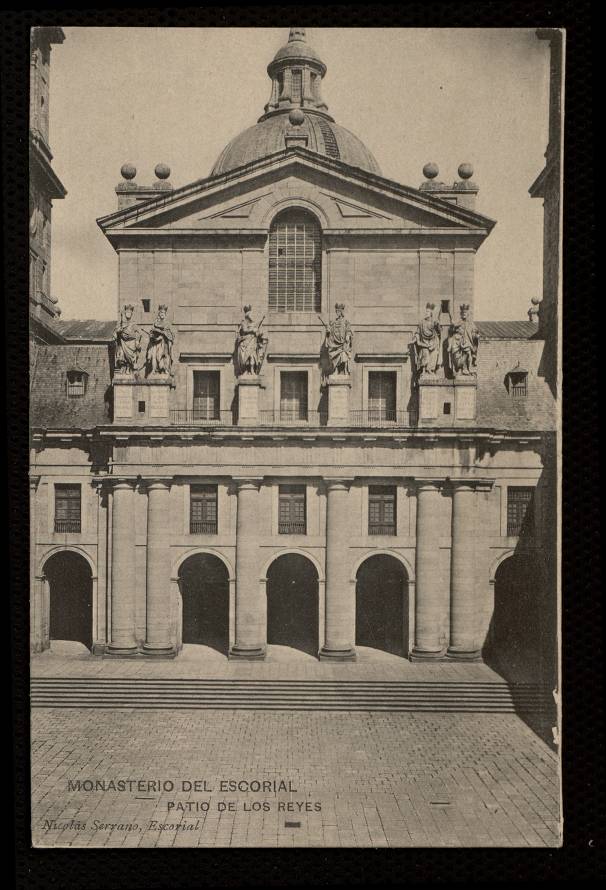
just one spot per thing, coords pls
(98, 649)
(120, 652)
(326, 654)
(155, 652)
(464, 655)
(427, 655)
(246, 654)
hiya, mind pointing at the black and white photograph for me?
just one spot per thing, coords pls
(295, 337)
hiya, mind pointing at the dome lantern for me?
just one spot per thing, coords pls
(296, 116)
(296, 72)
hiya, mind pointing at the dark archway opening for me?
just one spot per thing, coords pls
(292, 603)
(514, 640)
(71, 597)
(204, 586)
(382, 605)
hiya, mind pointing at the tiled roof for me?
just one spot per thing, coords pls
(51, 407)
(90, 329)
(507, 330)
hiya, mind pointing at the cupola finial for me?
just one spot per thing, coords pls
(296, 34)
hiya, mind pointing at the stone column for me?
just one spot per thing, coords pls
(429, 599)
(250, 610)
(464, 644)
(122, 637)
(339, 631)
(157, 576)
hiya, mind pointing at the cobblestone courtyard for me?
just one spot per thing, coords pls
(356, 779)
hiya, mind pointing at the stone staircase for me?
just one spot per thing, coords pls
(291, 695)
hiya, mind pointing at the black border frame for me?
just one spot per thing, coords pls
(582, 856)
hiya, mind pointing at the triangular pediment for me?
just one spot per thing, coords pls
(343, 197)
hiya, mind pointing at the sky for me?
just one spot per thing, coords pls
(178, 95)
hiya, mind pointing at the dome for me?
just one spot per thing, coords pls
(266, 137)
(295, 108)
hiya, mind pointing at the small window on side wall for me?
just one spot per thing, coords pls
(76, 383)
(517, 384)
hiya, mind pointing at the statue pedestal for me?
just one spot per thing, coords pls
(339, 388)
(141, 402)
(248, 400)
(444, 402)
(465, 397)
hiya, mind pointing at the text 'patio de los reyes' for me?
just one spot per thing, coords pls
(296, 433)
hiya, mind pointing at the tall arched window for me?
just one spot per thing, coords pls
(295, 262)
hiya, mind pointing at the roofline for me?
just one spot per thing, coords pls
(425, 199)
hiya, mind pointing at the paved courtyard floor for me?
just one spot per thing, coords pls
(127, 778)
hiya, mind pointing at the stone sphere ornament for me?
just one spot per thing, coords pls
(430, 170)
(296, 117)
(162, 171)
(128, 171)
(465, 171)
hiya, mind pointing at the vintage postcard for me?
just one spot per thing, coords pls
(295, 426)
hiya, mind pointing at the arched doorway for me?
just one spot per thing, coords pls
(382, 605)
(515, 634)
(70, 584)
(204, 586)
(292, 603)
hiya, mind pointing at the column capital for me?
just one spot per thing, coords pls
(472, 484)
(428, 484)
(248, 483)
(123, 484)
(338, 484)
(162, 483)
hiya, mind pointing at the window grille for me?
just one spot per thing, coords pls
(519, 509)
(295, 263)
(203, 510)
(67, 508)
(76, 383)
(206, 395)
(381, 510)
(382, 395)
(291, 518)
(518, 385)
(293, 395)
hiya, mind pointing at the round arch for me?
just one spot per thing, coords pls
(61, 548)
(292, 588)
(497, 562)
(68, 596)
(383, 552)
(204, 594)
(294, 202)
(300, 552)
(208, 551)
(383, 603)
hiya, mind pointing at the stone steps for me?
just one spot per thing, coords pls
(347, 695)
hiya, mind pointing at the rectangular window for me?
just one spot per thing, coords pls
(519, 509)
(381, 510)
(203, 510)
(293, 395)
(206, 395)
(292, 512)
(67, 508)
(382, 395)
(518, 385)
(296, 85)
(76, 383)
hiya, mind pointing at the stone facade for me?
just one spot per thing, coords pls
(385, 463)
(45, 186)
